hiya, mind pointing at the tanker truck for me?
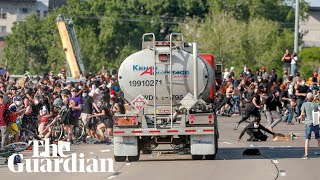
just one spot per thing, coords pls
(168, 86)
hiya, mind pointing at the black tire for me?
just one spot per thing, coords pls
(134, 158)
(197, 157)
(120, 158)
(79, 130)
(210, 157)
(57, 132)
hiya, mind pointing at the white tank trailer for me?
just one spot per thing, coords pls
(167, 85)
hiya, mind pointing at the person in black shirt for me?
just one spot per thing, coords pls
(106, 122)
(272, 102)
(252, 109)
(87, 110)
(301, 93)
(287, 61)
(287, 103)
(254, 131)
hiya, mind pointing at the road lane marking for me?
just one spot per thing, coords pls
(128, 164)
(283, 173)
(111, 177)
(226, 143)
(107, 150)
(275, 161)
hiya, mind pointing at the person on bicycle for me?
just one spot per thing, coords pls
(253, 108)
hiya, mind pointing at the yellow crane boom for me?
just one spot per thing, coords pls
(68, 48)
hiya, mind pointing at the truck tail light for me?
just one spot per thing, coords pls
(116, 119)
(210, 116)
(134, 119)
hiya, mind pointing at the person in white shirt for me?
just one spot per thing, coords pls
(226, 74)
(95, 93)
(294, 64)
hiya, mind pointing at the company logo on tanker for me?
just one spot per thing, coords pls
(149, 70)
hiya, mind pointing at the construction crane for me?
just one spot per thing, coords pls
(70, 46)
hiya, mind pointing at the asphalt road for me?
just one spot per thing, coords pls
(278, 160)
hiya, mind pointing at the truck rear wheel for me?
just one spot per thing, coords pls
(120, 158)
(197, 157)
(210, 157)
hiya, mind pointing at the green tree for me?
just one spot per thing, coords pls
(310, 61)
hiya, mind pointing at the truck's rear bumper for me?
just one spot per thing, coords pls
(163, 132)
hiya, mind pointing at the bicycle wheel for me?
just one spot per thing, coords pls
(28, 135)
(57, 132)
(79, 130)
(17, 146)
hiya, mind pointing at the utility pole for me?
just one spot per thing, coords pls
(219, 45)
(296, 28)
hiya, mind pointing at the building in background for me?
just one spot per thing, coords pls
(17, 10)
(312, 26)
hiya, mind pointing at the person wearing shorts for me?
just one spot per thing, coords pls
(106, 122)
(306, 114)
(75, 103)
(87, 109)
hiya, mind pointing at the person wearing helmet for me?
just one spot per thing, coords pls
(44, 118)
(58, 103)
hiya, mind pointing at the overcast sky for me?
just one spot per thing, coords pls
(314, 3)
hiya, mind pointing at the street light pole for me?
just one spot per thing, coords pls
(296, 28)
(215, 31)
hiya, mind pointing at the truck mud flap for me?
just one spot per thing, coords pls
(125, 146)
(202, 144)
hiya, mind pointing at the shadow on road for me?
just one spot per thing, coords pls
(237, 154)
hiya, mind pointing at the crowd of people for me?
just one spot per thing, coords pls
(37, 104)
(283, 97)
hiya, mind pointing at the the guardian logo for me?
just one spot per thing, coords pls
(57, 161)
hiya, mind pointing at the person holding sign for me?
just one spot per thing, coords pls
(307, 110)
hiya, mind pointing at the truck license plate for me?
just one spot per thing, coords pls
(125, 121)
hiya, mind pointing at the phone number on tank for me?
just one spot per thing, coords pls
(138, 83)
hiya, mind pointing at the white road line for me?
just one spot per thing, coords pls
(111, 177)
(226, 143)
(107, 150)
(128, 164)
(283, 173)
(275, 161)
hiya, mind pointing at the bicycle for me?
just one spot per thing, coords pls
(13, 148)
(78, 131)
